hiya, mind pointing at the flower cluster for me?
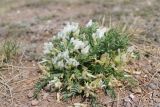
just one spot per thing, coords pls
(82, 59)
(62, 60)
(70, 41)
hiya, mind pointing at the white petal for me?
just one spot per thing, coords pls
(100, 32)
(85, 50)
(89, 23)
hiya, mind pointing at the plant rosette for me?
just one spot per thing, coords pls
(81, 59)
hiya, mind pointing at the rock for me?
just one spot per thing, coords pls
(131, 96)
(137, 72)
(47, 88)
(153, 86)
(45, 95)
(30, 94)
(127, 99)
(34, 102)
(136, 90)
(79, 105)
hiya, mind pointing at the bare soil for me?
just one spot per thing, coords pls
(33, 22)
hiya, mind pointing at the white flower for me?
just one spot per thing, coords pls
(101, 84)
(100, 32)
(61, 35)
(89, 23)
(78, 44)
(60, 64)
(85, 50)
(63, 55)
(54, 60)
(60, 56)
(62, 60)
(71, 27)
(47, 47)
(58, 84)
(72, 62)
(53, 81)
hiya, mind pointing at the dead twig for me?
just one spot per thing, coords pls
(10, 91)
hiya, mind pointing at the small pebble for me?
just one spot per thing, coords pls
(45, 95)
(127, 99)
(137, 90)
(79, 105)
(135, 100)
(137, 72)
(47, 88)
(34, 102)
(131, 96)
(30, 95)
(153, 86)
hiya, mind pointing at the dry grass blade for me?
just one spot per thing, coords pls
(3, 82)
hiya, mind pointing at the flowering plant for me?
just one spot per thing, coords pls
(81, 60)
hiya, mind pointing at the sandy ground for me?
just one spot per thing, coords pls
(33, 22)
